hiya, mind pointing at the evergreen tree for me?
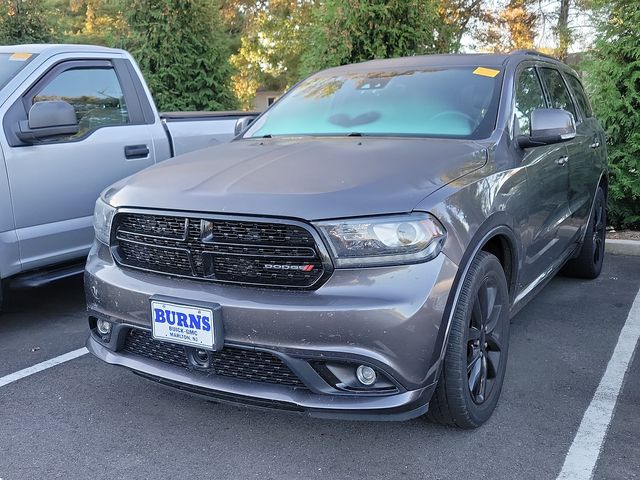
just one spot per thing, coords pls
(348, 31)
(96, 22)
(183, 52)
(24, 21)
(613, 78)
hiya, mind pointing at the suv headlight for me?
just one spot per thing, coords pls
(390, 240)
(102, 218)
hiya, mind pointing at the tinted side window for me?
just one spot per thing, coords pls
(581, 97)
(529, 97)
(558, 93)
(94, 93)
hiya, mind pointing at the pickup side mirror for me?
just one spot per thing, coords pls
(47, 120)
(548, 126)
(242, 124)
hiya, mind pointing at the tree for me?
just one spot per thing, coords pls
(455, 18)
(507, 26)
(349, 31)
(271, 46)
(613, 78)
(100, 22)
(24, 21)
(183, 50)
(562, 30)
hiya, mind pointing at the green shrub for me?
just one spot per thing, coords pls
(612, 76)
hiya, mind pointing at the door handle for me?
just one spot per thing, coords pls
(136, 151)
(562, 161)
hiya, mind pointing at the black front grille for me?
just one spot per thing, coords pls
(243, 364)
(234, 251)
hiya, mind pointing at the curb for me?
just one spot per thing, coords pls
(622, 247)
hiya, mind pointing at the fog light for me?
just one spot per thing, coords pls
(103, 327)
(366, 375)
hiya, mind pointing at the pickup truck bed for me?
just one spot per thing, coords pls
(190, 131)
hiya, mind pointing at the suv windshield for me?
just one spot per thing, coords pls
(433, 102)
(11, 64)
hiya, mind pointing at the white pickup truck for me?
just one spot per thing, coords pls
(75, 119)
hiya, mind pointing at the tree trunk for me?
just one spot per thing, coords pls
(562, 29)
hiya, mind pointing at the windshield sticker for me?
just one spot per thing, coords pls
(486, 72)
(20, 57)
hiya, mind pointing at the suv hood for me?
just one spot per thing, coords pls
(306, 178)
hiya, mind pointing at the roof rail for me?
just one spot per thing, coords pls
(533, 52)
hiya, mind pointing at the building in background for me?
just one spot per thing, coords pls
(264, 98)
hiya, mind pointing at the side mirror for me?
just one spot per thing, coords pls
(242, 124)
(47, 120)
(548, 126)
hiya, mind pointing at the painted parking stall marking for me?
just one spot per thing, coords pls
(584, 451)
(39, 367)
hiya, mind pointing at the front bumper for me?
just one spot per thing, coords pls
(390, 318)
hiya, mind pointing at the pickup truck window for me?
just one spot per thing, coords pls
(529, 96)
(434, 102)
(95, 94)
(11, 64)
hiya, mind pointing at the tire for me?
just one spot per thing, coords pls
(588, 263)
(475, 361)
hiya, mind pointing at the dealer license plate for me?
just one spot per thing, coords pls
(184, 324)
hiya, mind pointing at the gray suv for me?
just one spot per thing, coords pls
(359, 250)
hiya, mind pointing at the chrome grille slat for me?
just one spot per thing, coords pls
(231, 251)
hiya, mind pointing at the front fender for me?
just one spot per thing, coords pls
(489, 203)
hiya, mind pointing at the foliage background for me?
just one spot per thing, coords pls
(215, 54)
(612, 74)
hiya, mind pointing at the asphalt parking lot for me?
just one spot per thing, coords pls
(84, 419)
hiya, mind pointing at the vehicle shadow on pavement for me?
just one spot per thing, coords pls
(51, 299)
(37, 324)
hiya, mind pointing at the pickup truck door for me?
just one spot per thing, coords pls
(54, 184)
(546, 236)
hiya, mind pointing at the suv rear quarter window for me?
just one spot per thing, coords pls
(580, 95)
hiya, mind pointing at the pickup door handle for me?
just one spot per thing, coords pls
(562, 161)
(136, 151)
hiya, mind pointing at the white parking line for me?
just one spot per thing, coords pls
(25, 372)
(585, 449)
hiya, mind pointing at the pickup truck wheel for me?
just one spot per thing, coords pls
(477, 348)
(588, 263)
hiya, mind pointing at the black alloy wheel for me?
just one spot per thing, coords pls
(598, 228)
(484, 348)
(588, 263)
(477, 348)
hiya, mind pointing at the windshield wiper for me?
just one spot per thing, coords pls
(355, 134)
